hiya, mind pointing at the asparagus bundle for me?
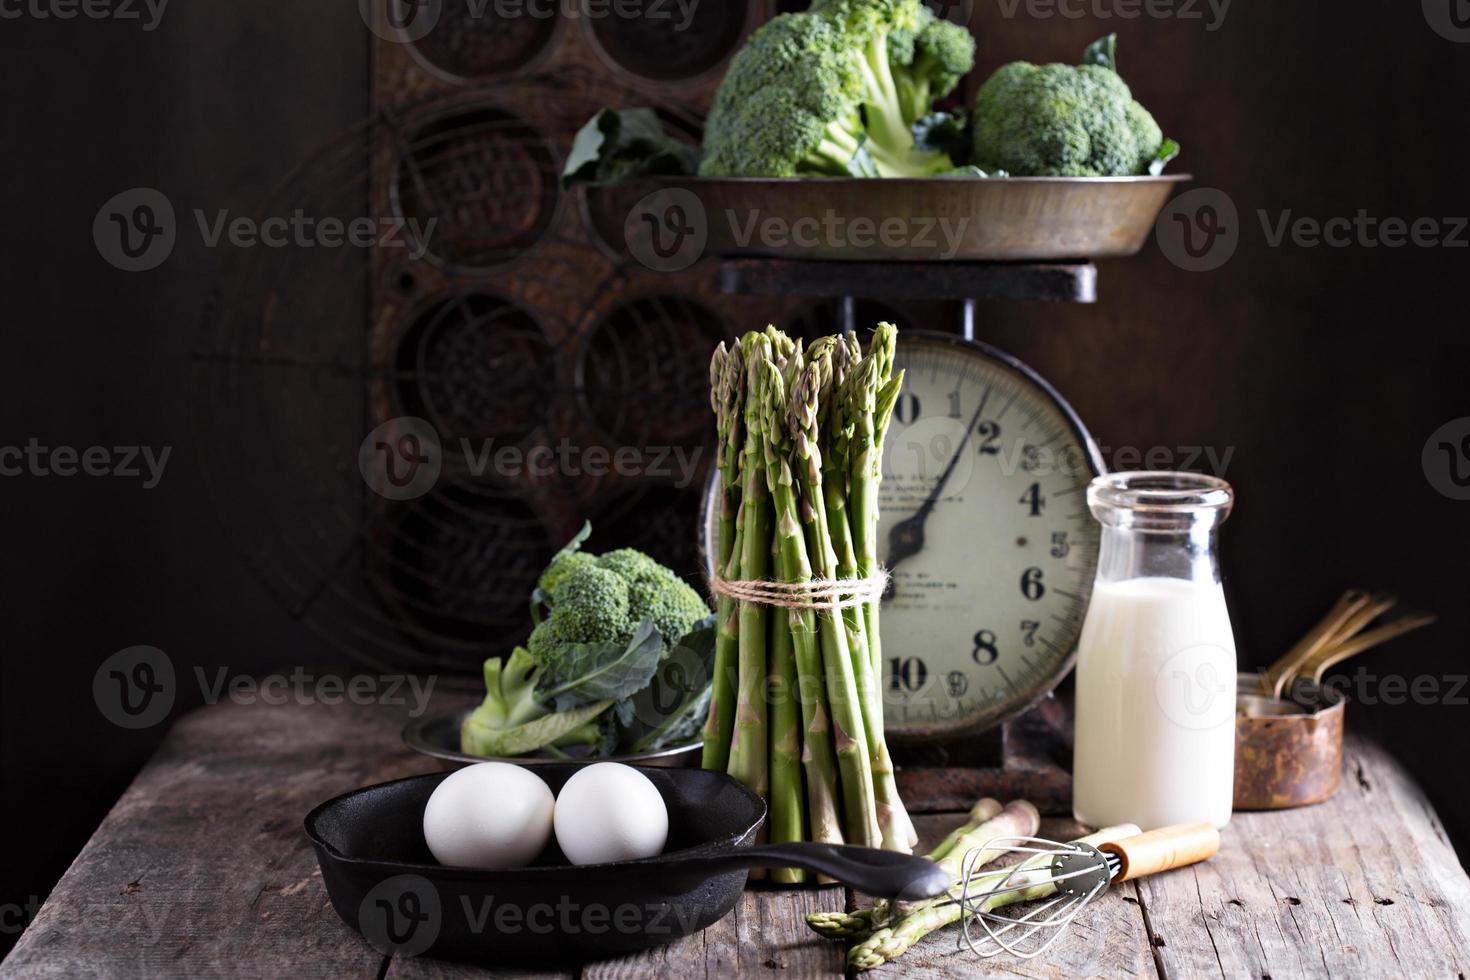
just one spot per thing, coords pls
(796, 712)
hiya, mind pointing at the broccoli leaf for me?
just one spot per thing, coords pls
(945, 132)
(1103, 52)
(1167, 152)
(585, 672)
(672, 709)
(621, 145)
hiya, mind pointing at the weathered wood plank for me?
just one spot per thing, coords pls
(202, 868)
(1365, 885)
(766, 935)
(426, 969)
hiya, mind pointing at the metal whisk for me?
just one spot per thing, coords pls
(1059, 880)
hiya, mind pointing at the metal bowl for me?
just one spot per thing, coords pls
(938, 219)
(438, 736)
(1288, 752)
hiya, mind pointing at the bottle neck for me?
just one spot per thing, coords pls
(1190, 553)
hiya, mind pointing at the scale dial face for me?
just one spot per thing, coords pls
(986, 533)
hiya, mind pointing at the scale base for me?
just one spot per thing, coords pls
(1027, 758)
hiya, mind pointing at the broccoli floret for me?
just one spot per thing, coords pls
(928, 62)
(606, 599)
(815, 94)
(657, 594)
(561, 566)
(1062, 121)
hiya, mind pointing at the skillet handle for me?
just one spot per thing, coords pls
(884, 874)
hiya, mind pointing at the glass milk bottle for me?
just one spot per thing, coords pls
(1156, 661)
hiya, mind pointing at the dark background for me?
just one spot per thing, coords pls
(1324, 370)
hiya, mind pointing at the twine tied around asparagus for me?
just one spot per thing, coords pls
(818, 593)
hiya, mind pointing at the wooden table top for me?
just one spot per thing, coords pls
(202, 870)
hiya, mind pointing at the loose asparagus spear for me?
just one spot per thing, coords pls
(891, 942)
(1018, 819)
(981, 813)
(794, 566)
(858, 924)
(727, 396)
(749, 752)
(849, 731)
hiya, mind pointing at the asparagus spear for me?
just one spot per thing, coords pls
(858, 924)
(871, 395)
(727, 396)
(749, 753)
(794, 566)
(788, 805)
(896, 829)
(848, 730)
(1033, 883)
(1018, 819)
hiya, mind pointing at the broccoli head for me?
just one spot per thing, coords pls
(605, 599)
(1062, 121)
(822, 93)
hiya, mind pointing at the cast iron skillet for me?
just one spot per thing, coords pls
(384, 883)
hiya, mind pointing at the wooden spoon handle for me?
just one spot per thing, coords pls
(1354, 625)
(1163, 850)
(1367, 641)
(1280, 673)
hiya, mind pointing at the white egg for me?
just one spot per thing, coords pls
(492, 815)
(610, 812)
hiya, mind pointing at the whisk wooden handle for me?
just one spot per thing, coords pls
(1161, 850)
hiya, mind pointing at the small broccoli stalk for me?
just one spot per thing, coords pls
(512, 720)
(928, 64)
(872, 28)
(841, 142)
